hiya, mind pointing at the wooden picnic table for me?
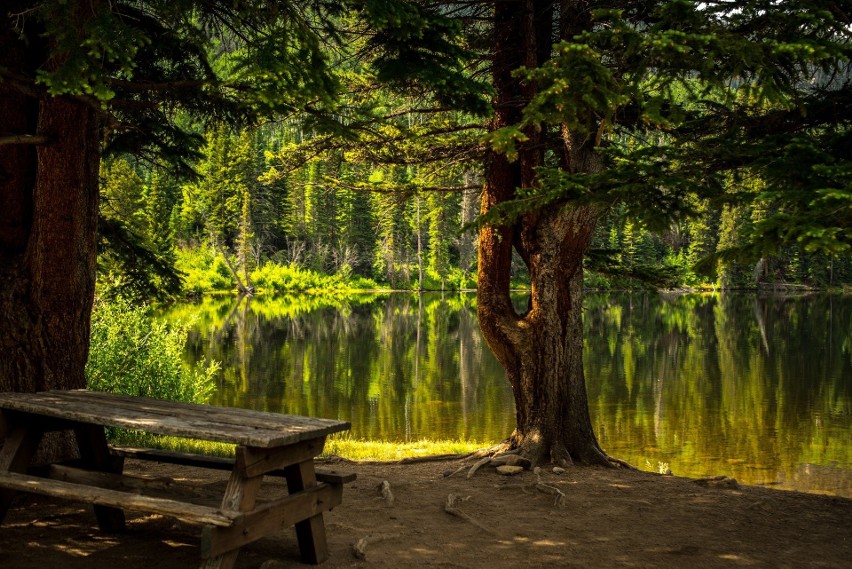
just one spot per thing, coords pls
(267, 443)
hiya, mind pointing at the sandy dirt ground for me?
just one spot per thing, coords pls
(607, 518)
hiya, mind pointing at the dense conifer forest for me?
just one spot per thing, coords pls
(271, 209)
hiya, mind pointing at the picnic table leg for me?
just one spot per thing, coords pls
(15, 456)
(310, 533)
(95, 455)
(240, 495)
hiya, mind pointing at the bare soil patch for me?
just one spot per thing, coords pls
(608, 518)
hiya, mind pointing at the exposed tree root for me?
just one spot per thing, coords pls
(450, 508)
(385, 491)
(532, 454)
(618, 463)
(456, 471)
(480, 463)
(500, 448)
(435, 458)
(561, 499)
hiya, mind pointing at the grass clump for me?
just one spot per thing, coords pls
(337, 446)
(390, 451)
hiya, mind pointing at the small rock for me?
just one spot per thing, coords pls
(558, 470)
(510, 470)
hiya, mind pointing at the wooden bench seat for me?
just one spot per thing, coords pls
(216, 462)
(101, 496)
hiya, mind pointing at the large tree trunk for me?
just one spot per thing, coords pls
(48, 221)
(541, 349)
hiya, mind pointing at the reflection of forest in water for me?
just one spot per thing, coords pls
(754, 388)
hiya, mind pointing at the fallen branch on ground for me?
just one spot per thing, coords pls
(359, 548)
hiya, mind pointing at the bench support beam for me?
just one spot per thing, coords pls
(310, 533)
(95, 455)
(270, 518)
(15, 456)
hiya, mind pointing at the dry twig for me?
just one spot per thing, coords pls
(450, 508)
(359, 548)
(560, 500)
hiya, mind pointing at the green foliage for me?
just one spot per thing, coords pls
(279, 278)
(684, 100)
(134, 354)
(136, 259)
(419, 50)
(204, 271)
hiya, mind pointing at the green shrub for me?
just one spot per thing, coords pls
(203, 271)
(131, 353)
(206, 271)
(275, 278)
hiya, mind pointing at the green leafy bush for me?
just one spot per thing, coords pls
(272, 277)
(134, 354)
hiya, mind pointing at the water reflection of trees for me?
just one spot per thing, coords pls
(397, 366)
(739, 385)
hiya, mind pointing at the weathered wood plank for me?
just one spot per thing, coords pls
(270, 518)
(219, 463)
(114, 498)
(238, 426)
(259, 461)
(158, 487)
(227, 415)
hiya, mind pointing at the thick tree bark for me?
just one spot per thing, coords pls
(542, 349)
(48, 221)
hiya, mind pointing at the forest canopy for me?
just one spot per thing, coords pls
(723, 132)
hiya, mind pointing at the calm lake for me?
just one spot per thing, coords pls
(756, 388)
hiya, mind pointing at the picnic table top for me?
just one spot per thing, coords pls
(205, 422)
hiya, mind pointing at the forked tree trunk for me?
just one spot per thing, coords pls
(541, 349)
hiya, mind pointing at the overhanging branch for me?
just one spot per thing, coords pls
(21, 139)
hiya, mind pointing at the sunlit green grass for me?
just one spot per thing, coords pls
(386, 451)
(344, 447)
